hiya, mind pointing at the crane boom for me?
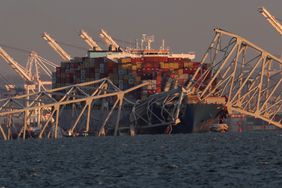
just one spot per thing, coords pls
(64, 55)
(108, 39)
(91, 43)
(271, 19)
(16, 66)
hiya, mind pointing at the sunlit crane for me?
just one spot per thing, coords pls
(16, 66)
(62, 53)
(8, 85)
(31, 78)
(271, 19)
(36, 62)
(109, 41)
(91, 43)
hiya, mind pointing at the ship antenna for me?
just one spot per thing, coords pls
(163, 45)
(136, 44)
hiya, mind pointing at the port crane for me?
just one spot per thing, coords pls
(30, 74)
(108, 40)
(52, 42)
(33, 83)
(271, 19)
(20, 70)
(36, 62)
(8, 86)
(91, 43)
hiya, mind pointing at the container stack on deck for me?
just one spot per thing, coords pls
(162, 72)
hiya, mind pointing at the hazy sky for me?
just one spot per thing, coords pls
(186, 25)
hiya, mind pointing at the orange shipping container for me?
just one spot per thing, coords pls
(180, 71)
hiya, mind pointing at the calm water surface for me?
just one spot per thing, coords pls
(251, 159)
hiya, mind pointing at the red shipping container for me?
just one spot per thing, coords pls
(196, 64)
(156, 64)
(181, 82)
(175, 59)
(148, 59)
(186, 71)
(180, 65)
(164, 70)
(158, 90)
(172, 76)
(135, 60)
(58, 69)
(164, 59)
(147, 65)
(159, 78)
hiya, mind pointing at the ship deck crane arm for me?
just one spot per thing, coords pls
(62, 53)
(91, 43)
(271, 19)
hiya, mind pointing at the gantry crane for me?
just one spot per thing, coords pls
(62, 53)
(91, 43)
(35, 62)
(271, 19)
(109, 41)
(33, 83)
(32, 79)
(19, 69)
(8, 86)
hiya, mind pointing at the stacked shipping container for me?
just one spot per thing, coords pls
(162, 72)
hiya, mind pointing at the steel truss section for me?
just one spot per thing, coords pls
(161, 109)
(82, 109)
(247, 75)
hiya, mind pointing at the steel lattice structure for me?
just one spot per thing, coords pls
(161, 109)
(247, 75)
(65, 110)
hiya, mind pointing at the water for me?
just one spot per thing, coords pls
(251, 159)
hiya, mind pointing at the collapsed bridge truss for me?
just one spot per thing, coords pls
(161, 109)
(91, 107)
(248, 76)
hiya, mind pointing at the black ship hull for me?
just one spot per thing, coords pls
(196, 118)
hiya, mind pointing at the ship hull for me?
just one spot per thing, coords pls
(195, 119)
(198, 118)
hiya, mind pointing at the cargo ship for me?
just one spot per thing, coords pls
(163, 70)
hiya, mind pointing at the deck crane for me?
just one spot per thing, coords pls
(271, 19)
(62, 53)
(109, 41)
(91, 43)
